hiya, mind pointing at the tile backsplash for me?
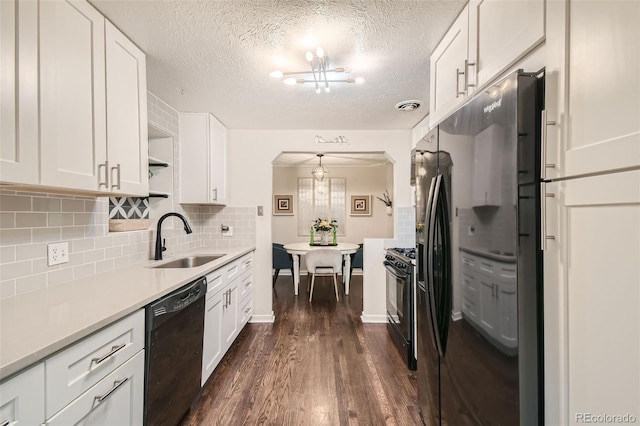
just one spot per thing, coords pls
(29, 220)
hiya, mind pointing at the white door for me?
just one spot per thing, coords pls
(212, 343)
(507, 298)
(488, 305)
(19, 92)
(447, 65)
(72, 96)
(127, 139)
(194, 141)
(230, 315)
(500, 33)
(217, 161)
(592, 297)
(593, 57)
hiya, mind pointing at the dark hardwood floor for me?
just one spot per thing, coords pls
(317, 364)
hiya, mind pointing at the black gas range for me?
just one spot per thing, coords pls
(399, 265)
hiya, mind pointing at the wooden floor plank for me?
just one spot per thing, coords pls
(317, 364)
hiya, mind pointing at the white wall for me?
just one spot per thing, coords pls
(360, 180)
(250, 157)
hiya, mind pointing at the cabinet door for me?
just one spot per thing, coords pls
(500, 33)
(488, 306)
(72, 96)
(212, 343)
(591, 329)
(115, 400)
(447, 62)
(470, 295)
(230, 315)
(22, 398)
(19, 92)
(217, 162)
(593, 57)
(127, 139)
(194, 139)
(507, 301)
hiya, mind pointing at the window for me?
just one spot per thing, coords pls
(325, 200)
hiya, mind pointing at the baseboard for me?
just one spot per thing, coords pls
(256, 319)
(456, 316)
(373, 319)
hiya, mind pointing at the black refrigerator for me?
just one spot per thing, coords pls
(480, 331)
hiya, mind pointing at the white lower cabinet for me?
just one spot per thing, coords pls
(228, 309)
(116, 400)
(22, 398)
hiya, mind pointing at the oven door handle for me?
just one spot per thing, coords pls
(393, 271)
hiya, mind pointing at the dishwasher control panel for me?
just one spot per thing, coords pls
(180, 299)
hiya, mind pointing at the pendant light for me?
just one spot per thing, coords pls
(319, 172)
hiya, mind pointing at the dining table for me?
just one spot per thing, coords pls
(299, 249)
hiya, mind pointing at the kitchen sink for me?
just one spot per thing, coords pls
(190, 261)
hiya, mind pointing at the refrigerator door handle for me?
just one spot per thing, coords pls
(436, 182)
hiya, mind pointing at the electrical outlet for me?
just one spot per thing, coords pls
(228, 232)
(57, 253)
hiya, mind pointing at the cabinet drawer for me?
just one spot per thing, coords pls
(80, 366)
(245, 312)
(246, 262)
(22, 398)
(115, 400)
(468, 261)
(215, 281)
(245, 285)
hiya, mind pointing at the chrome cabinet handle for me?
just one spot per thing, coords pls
(543, 216)
(247, 284)
(116, 385)
(458, 74)
(214, 194)
(117, 169)
(114, 349)
(467, 64)
(246, 311)
(106, 177)
(5, 423)
(543, 145)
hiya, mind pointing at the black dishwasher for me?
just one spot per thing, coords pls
(174, 331)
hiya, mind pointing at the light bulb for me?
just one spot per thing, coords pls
(276, 74)
(289, 80)
(422, 171)
(309, 56)
(320, 52)
(359, 80)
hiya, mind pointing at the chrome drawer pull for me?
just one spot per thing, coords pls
(114, 349)
(5, 423)
(247, 310)
(116, 385)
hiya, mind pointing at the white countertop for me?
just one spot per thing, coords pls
(37, 324)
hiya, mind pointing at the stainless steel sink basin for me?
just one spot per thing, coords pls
(190, 261)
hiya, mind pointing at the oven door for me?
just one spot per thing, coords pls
(398, 283)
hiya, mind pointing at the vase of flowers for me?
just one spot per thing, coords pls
(327, 229)
(387, 202)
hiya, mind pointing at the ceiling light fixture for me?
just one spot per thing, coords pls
(319, 64)
(339, 140)
(319, 172)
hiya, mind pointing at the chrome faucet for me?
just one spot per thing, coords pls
(160, 243)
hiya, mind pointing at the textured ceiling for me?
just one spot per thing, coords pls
(331, 159)
(216, 56)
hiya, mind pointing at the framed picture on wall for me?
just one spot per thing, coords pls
(361, 205)
(283, 205)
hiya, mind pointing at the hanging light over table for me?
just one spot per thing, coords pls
(319, 172)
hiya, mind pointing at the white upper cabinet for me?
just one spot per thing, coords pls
(72, 96)
(593, 89)
(486, 39)
(203, 156)
(19, 91)
(447, 85)
(127, 131)
(500, 33)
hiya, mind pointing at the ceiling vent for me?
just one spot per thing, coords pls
(411, 105)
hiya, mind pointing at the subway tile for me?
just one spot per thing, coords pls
(15, 270)
(7, 254)
(7, 220)
(11, 237)
(83, 244)
(92, 205)
(60, 219)
(75, 259)
(31, 283)
(120, 239)
(82, 219)
(31, 251)
(45, 235)
(120, 262)
(84, 271)
(113, 252)
(94, 255)
(11, 203)
(72, 232)
(129, 249)
(60, 276)
(46, 204)
(69, 205)
(104, 266)
(40, 264)
(7, 289)
(7, 192)
(31, 220)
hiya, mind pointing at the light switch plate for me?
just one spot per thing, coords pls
(57, 253)
(228, 232)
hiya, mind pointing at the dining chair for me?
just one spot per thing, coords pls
(281, 260)
(356, 260)
(323, 263)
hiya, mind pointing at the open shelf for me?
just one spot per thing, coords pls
(155, 162)
(155, 194)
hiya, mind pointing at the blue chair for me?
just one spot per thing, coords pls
(281, 260)
(356, 260)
